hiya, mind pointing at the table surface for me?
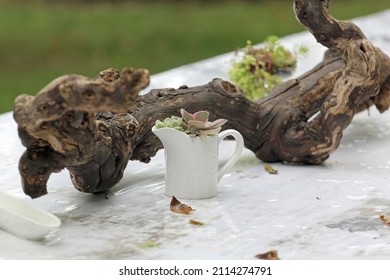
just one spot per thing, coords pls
(329, 211)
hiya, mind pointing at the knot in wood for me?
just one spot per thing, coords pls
(110, 75)
(229, 87)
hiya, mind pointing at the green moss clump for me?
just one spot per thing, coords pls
(259, 69)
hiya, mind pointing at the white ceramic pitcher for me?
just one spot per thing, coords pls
(192, 162)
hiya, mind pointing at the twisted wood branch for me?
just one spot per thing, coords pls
(93, 127)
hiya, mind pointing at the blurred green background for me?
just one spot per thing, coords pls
(41, 40)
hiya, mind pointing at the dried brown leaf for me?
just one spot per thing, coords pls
(196, 223)
(384, 219)
(270, 169)
(270, 255)
(178, 207)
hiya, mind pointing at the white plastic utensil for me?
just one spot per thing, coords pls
(24, 219)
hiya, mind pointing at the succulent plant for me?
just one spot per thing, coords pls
(196, 124)
(172, 122)
(257, 71)
(199, 124)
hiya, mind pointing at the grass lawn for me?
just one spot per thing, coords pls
(39, 42)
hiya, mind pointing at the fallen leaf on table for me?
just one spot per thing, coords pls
(385, 219)
(148, 244)
(178, 207)
(271, 255)
(196, 223)
(270, 169)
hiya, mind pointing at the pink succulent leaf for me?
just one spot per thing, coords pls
(215, 124)
(186, 116)
(197, 124)
(213, 131)
(202, 116)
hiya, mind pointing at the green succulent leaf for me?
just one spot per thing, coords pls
(159, 124)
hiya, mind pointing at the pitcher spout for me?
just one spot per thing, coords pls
(170, 136)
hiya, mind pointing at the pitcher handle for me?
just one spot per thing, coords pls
(237, 151)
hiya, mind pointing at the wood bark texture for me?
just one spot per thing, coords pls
(94, 126)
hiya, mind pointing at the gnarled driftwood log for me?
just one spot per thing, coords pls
(93, 127)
